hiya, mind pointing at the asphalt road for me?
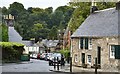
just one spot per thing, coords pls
(36, 67)
(33, 66)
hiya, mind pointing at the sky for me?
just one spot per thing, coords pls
(36, 3)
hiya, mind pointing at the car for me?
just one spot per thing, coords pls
(38, 56)
(43, 56)
(33, 56)
(49, 55)
(54, 57)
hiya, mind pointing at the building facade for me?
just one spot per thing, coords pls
(98, 37)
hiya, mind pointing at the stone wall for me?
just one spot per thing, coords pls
(104, 43)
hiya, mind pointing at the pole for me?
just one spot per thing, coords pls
(95, 65)
(70, 64)
(54, 63)
(57, 63)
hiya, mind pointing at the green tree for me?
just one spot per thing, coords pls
(4, 11)
(82, 11)
(53, 33)
(15, 8)
(3, 33)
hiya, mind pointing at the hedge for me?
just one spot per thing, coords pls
(11, 51)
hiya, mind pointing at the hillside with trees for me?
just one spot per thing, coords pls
(45, 23)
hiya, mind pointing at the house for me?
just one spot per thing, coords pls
(51, 45)
(32, 48)
(98, 37)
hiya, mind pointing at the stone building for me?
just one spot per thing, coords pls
(98, 37)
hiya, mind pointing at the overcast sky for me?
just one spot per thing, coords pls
(36, 3)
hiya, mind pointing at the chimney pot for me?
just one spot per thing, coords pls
(118, 5)
(93, 8)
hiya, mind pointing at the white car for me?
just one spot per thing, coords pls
(49, 55)
(34, 56)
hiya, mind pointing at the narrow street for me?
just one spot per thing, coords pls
(33, 66)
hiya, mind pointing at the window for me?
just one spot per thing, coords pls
(76, 58)
(89, 59)
(112, 51)
(84, 43)
(81, 43)
(115, 51)
(90, 43)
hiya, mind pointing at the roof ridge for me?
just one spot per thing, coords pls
(105, 9)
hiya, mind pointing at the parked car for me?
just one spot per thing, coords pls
(33, 56)
(49, 55)
(43, 56)
(38, 56)
(53, 59)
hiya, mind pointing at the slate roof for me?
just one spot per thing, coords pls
(14, 36)
(50, 43)
(27, 43)
(101, 23)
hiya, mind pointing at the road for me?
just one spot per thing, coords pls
(36, 67)
(33, 66)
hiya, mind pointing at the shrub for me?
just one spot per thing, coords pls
(65, 52)
(11, 51)
(3, 32)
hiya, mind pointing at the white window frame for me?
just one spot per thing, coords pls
(112, 52)
(89, 59)
(90, 44)
(79, 43)
(76, 58)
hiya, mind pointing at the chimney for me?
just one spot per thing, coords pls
(93, 7)
(118, 5)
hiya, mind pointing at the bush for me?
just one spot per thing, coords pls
(65, 52)
(3, 32)
(11, 51)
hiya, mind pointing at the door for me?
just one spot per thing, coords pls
(99, 55)
(83, 58)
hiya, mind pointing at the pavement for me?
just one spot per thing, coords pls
(75, 69)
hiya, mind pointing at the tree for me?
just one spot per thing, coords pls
(53, 33)
(49, 10)
(4, 11)
(3, 33)
(82, 11)
(30, 10)
(16, 8)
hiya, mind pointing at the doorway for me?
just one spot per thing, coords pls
(99, 55)
(83, 58)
